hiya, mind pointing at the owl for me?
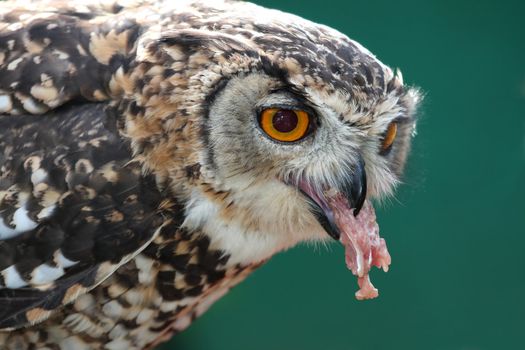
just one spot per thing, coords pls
(154, 153)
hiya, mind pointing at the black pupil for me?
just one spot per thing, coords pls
(285, 120)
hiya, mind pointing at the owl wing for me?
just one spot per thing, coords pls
(74, 206)
(52, 52)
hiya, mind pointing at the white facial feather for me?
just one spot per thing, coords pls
(278, 220)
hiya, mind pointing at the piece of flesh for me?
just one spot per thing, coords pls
(364, 247)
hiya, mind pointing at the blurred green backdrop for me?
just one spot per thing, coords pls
(456, 229)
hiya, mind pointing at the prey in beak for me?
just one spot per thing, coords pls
(353, 189)
(348, 217)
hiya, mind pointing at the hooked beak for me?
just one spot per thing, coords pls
(353, 189)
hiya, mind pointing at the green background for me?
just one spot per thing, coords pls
(455, 229)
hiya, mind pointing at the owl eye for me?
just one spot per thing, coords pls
(390, 136)
(286, 125)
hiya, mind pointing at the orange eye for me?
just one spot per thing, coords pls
(284, 125)
(390, 136)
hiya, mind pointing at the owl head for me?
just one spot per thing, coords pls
(259, 121)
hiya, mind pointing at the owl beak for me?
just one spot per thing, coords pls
(353, 189)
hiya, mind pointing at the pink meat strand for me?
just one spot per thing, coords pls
(364, 247)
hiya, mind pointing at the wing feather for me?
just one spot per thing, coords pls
(74, 206)
(52, 52)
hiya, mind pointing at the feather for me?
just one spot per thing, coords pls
(89, 205)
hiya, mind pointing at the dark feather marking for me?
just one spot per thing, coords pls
(107, 211)
(15, 303)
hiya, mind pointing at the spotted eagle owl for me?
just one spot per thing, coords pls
(155, 153)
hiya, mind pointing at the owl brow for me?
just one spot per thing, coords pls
(302, 100)
(403, 119)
